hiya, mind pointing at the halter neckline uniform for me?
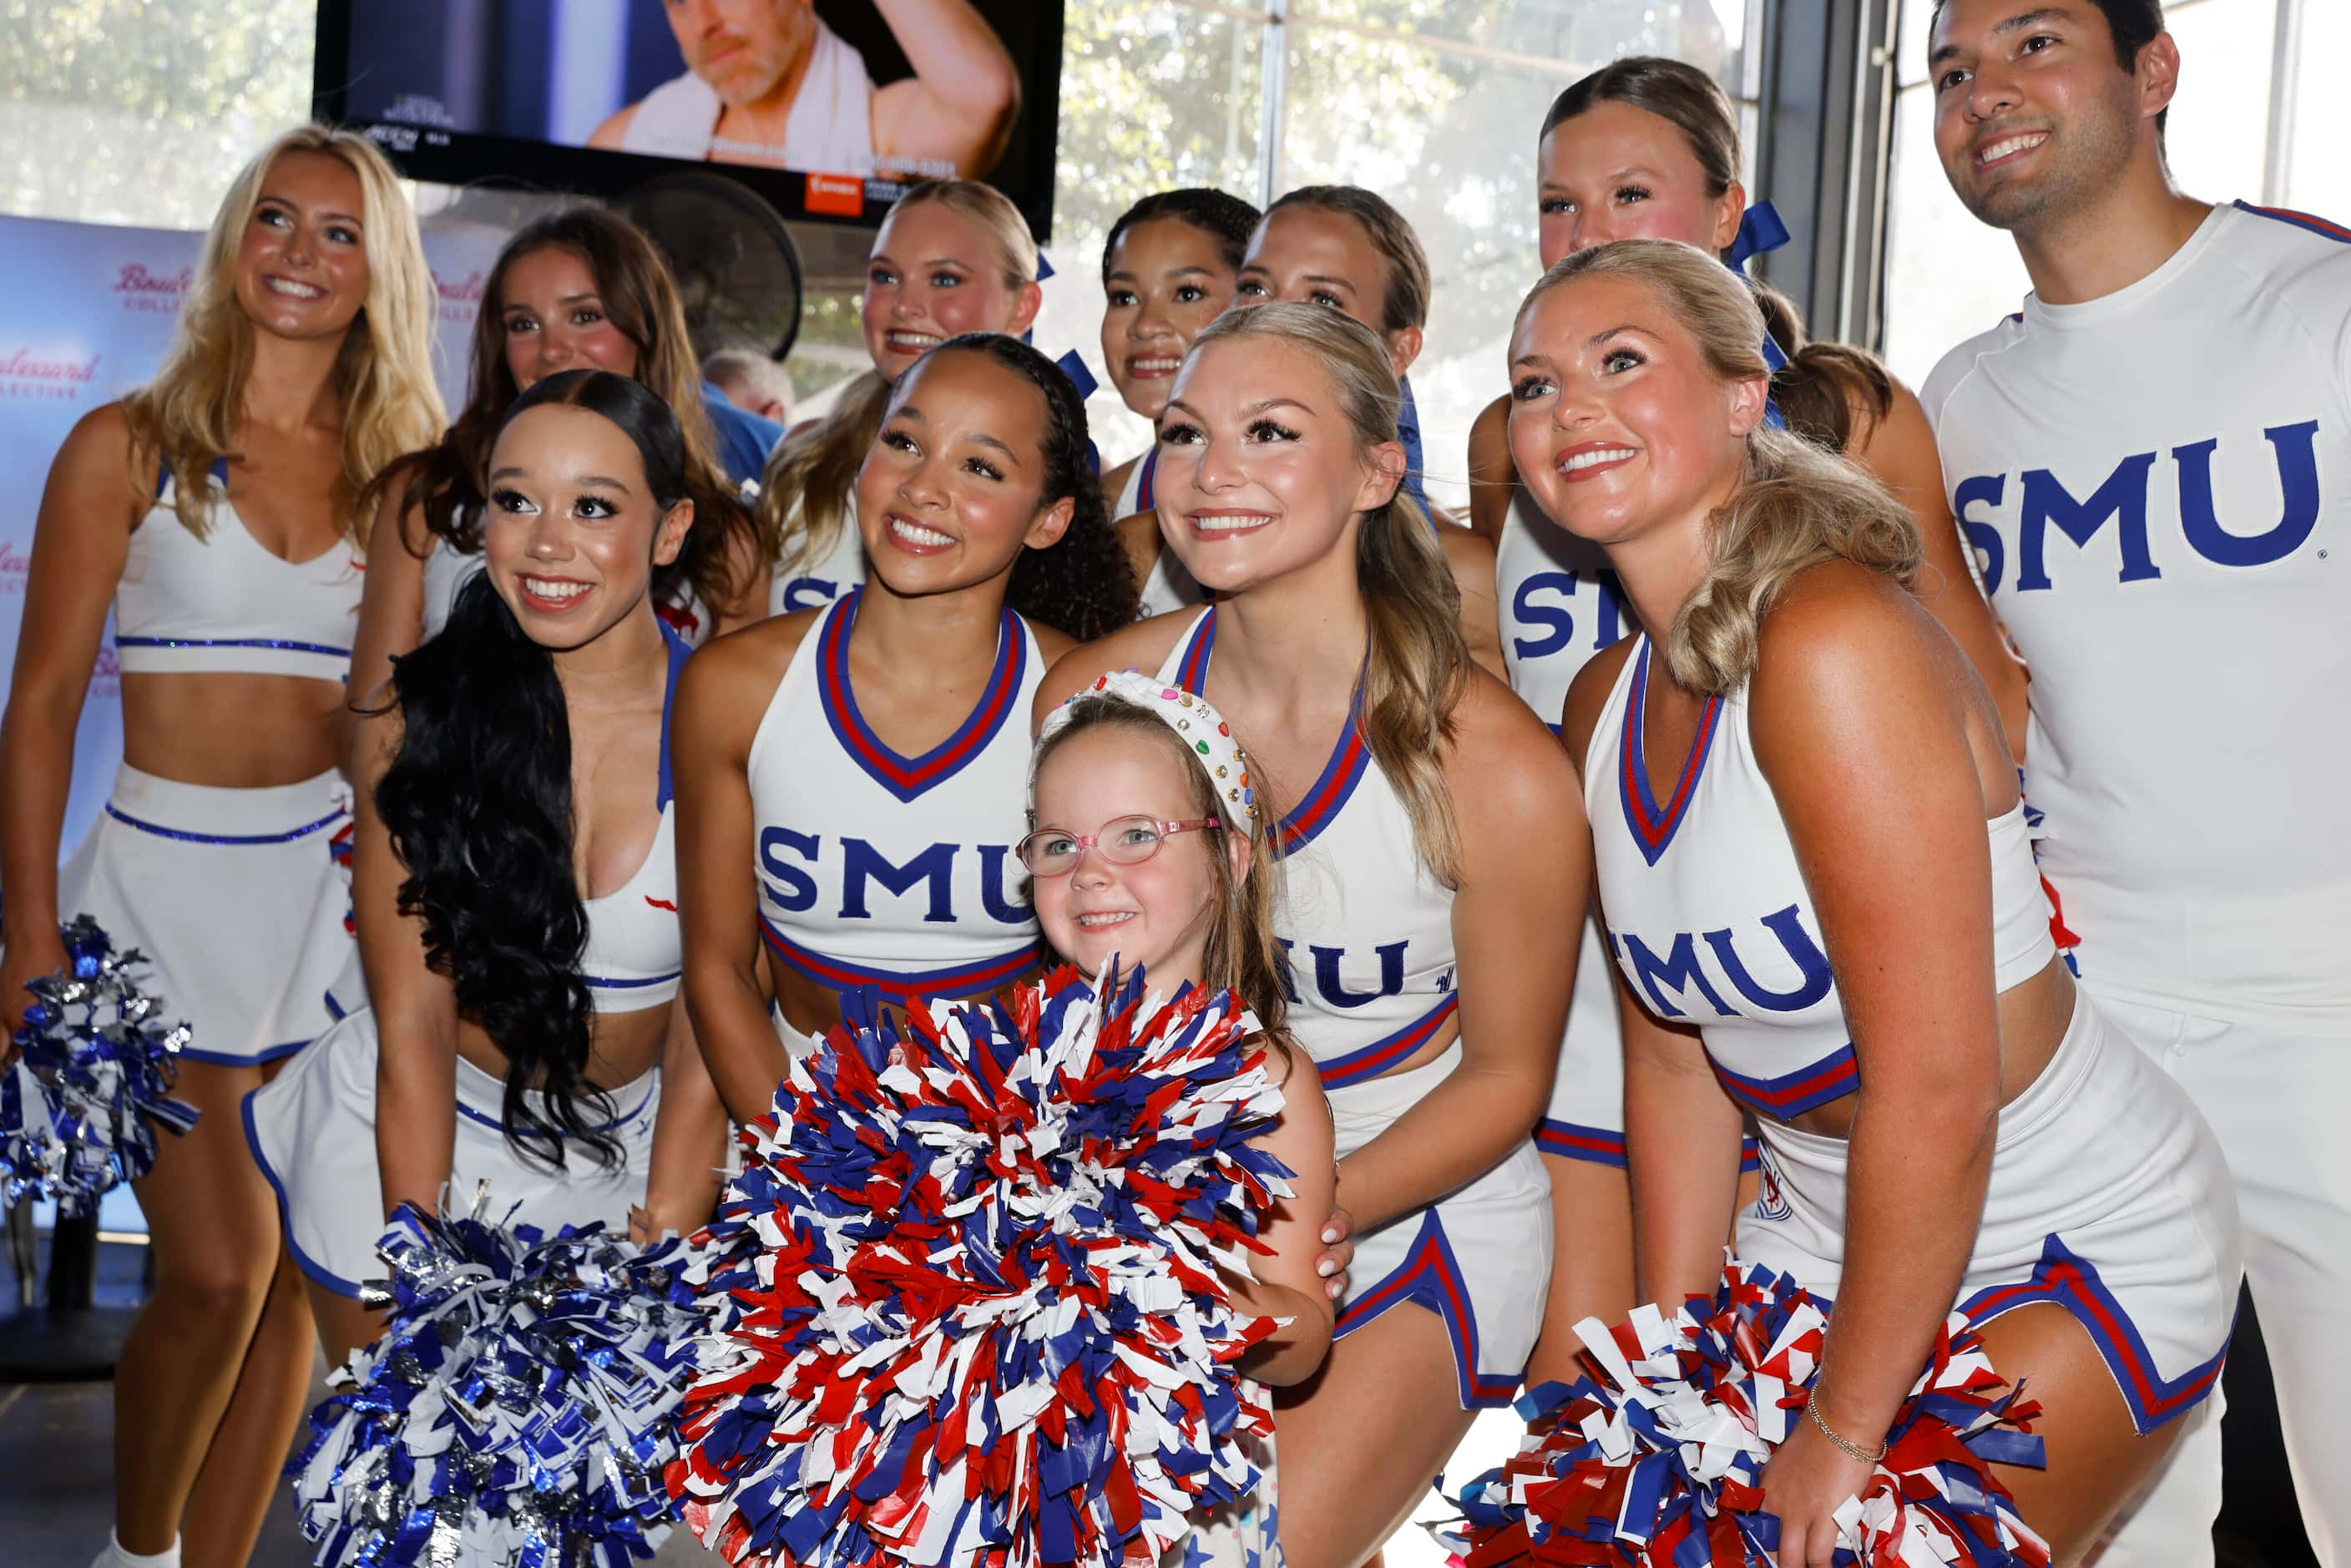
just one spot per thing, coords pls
(883, 871)
(1369, 936)
(1169, 587)
(2108, 1197)
(312, 1128)
(232, 895)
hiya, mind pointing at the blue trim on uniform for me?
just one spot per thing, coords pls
(842, 975)
(1790, 1094)
(1146, 489)
(1572, 1141)
(909, 777)
(2073, 1283)
(232, 839)
(1350, 758)
(2307, 221)
(665, 789)
(1654, 826)
(303, 1261)
(1366, 1063)
(280, 642)
(242, 1059)
(1430, 1276)
(499, 1123)
(607, 983)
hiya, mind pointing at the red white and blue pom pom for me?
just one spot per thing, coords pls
(91, 1080)
(972, 1313)
(519, 1409)
(1659, 1460)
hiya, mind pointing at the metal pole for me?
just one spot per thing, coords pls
(2277, 161)
(1273, 64)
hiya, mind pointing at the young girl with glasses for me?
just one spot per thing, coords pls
(1151, 854)
(1434, 872)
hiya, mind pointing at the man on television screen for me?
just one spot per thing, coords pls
(766, 82)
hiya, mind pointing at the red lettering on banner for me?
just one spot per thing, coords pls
(839, 194)
(15, 568)
(24, 365)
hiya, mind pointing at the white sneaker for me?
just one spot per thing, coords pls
(114, 1557)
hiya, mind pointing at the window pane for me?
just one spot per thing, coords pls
(99, 96)
(1154, 95)
(2317, 177)
(1449, 137)
(1579, 32)
(1949, 276)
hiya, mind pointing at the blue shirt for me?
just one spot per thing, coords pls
(743, 439)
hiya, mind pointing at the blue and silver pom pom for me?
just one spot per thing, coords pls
(517, 1411)
(1659, 1458)
(91, 1080)
(967, 1295)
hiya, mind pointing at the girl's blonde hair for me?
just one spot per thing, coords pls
(189, 414)
(1242, 955)
(804, 494)
(1417, 664)
(1796, 504)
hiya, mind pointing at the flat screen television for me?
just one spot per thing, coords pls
(828, 107)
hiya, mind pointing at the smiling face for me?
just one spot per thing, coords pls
(574, 532)
(1309, 256)
(1615, 172)
(554, 320)
(949, 494)
(1261, 473)
(301, 263)
(1166, 280)
(2034, 117)
(1617, 424)
(934, 274)
(744, 48)
(1156, 913)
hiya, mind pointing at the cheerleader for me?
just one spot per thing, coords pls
(953, 257)
(1816, 874)
(1649, 147)
(1428, 826)
(214, 512)
(851, 775)
(577, 289)
(515, 883)
(1345, 248)
(1169, 267)
(1177, 879)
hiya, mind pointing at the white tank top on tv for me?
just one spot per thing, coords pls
(2158, 488)
(829, 131)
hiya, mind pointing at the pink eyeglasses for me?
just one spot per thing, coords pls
(1122, 840)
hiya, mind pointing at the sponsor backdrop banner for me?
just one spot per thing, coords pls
(87, 317)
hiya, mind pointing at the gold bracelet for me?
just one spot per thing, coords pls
(1851, 1449)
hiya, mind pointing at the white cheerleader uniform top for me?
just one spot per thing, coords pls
(812, 585)
(635, 952)
(2156, 486)
(1368, 931)
(1708, 916)
(830, 129)
(891, 872)
(1560, 605)
(226, 603)
(1169, 587)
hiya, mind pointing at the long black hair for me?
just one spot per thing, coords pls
(477, 800)
(1083, 583)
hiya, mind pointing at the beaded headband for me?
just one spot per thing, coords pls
(1201, 728)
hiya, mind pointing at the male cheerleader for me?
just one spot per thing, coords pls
(2153, 462)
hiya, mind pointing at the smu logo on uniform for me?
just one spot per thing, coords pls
(1537, 607)
(930, 874)
(1682, 968)
(2043, 501)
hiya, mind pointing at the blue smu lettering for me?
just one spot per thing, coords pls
(1556, 621)
(809, 593)
(928, 874)
(1330, 981)
(2122, 498)
(1681, 969)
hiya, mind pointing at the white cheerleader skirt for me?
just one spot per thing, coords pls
(312, 1131)
(236, 897)
(1480, 1258)
(2109, 1198)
